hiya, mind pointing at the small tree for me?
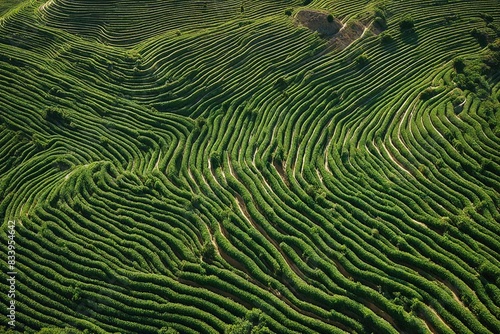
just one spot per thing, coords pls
(380, 22)
(483, 35)
(208, 252)
(288, 12)
(329, 18)
(459, 64)
(407, 23)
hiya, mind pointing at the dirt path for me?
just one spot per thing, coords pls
(394, 160)
(281, 172)
(157, 161)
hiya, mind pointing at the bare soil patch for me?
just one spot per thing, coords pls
(351, 32)
(317, 21)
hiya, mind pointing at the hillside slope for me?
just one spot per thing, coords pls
(217, 166)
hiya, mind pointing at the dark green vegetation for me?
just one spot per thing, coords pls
(210, 166)
(7, 6)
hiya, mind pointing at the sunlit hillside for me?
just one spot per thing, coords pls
(221, 166)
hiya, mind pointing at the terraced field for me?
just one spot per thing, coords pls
(248, 167)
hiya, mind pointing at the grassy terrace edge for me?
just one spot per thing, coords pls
(251, 167)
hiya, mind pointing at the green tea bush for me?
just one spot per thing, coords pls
(407, 23)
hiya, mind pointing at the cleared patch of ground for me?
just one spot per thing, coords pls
(339, 35)
(346, 36)
(318, 21)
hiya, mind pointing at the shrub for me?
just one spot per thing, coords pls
(459, 64)
(483, 36)
(288, 12)
(495, 46)
(281, 83)
(473, 77)
(57, 330)
(429, 93)
(362, 60)
(57, 115)
(208, 251)
(492, 57)
(407, 23)
(457, 100)
(451, 18)
(386, 38)
(380, 22)
(200, 122)
(380, 12)
(329, 18)
(489, 271)
(482, 94)
(486, 17)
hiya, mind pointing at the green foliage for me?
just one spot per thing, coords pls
(281, 83)
(472, 75)
(57, 115)
(242, 326)
(208, 252)
(62, 163)
(200, 122)
(39, 142)
(407, 23)
(380, 23)
(492, 56)
(486, 17)
(386, 38)
(56, 330)
(252, 323)
(489, 271)
(380, 17)
(168, 330)
(362, 60)
(335, 209)
(430, 92)
(459, 64)
(216, 159)
(483, 35)
(449, 19)
(329, 18)
(457, 98)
